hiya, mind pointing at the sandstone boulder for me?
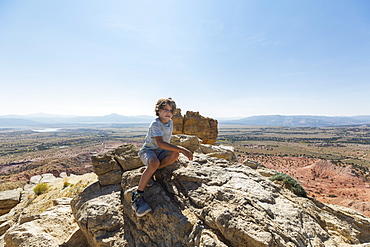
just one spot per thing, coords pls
(47, 178)
(9, 199)
(127, 157)
(252, 163)
(220, 152)
(203, 127)
(190, 142)
(35, 179)
(48, 229)
(213, 202)
(178, 122)
(194, 124)
(110, 166)
(98, 211)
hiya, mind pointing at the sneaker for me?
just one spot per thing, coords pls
(139, 204)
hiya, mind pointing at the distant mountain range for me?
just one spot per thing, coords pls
(41, 119)
(46, 119)
(301, 121)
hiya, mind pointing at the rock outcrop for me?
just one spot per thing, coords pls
(9, 199)
(110, 166)
(213, 201)
(192, 123)
(50, 228)
(45, 220)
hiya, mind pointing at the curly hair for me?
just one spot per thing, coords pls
(161, 103)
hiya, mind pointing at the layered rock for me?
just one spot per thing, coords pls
(110, 166)
(9, 199)
(192, 123)
(213, 201)
(178, 122)
(48, 229)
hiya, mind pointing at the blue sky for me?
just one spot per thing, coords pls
(221, 58)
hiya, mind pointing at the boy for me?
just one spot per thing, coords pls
(157, 152)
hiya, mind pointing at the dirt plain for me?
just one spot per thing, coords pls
(25, 153)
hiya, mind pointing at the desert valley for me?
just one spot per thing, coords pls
(331, 163)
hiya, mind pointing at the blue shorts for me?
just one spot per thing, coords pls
(147, 154)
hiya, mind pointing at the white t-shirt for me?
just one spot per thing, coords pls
(157, 128)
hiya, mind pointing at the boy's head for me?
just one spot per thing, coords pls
(161, 103)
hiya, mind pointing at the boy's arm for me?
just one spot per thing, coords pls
(168, 146)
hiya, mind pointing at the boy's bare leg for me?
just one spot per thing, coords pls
(155, 164)
(169, 158)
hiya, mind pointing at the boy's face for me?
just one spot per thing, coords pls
(165, 114)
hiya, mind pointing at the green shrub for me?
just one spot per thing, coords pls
(290, 183)
(66, 184)
(41, 188)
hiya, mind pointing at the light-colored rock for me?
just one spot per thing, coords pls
(9, 199)
(49, 229)
(190, 142)
(62, 201)
(214, 202)
(77, 239)
(127, 156)
(110, 166)
(28, 189)
(107, 169)
(4, 226)
(220, 152)
(35, 222)
(47, 178)
(98, 211)
(28, 234)
(35, 179)
(252, 163)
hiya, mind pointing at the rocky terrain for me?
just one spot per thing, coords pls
(211, 201)
(28, 219)
(326, 181)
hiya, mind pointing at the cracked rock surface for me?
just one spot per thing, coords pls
(213, 202)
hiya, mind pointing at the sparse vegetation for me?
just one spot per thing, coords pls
(290, 183)
(66, 184)
(41, 188)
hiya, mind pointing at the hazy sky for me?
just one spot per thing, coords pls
(221, 58)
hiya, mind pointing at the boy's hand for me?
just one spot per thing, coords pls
(187, 153)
